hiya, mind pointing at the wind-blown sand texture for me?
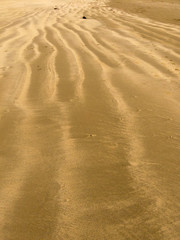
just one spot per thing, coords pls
(89, 120)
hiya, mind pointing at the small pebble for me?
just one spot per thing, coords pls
(92, 135)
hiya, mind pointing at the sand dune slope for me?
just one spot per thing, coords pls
(89, 123)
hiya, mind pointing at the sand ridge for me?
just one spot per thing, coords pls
(89, 120)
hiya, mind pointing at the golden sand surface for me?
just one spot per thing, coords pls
(89, 120)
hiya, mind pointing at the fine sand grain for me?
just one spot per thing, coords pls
(89, 120)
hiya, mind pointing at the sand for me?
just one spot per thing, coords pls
(89, 120)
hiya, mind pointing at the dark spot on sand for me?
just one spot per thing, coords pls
(38, 68)
(91, 135)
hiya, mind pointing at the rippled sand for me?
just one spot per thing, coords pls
(89, 120)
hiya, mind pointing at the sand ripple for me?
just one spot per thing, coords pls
(89, 120)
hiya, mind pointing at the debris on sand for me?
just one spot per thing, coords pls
(91, 135)
(84, 17)
(55, 8)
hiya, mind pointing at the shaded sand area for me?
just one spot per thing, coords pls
(89, 120)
